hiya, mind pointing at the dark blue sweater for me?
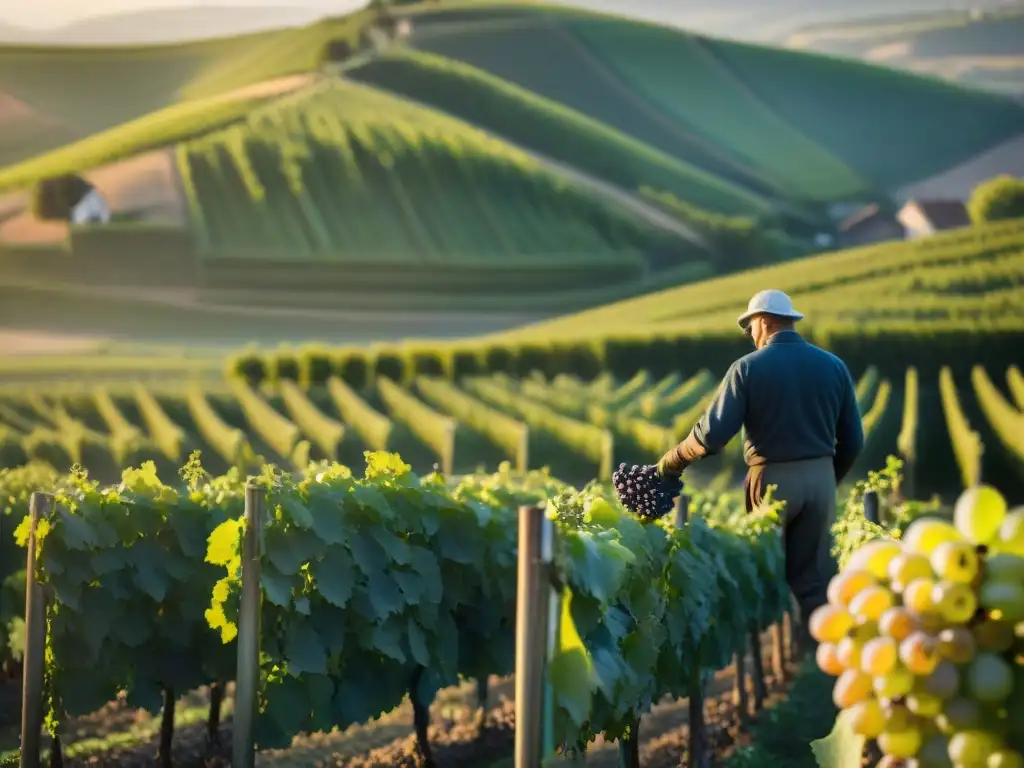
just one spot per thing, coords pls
(794, 401)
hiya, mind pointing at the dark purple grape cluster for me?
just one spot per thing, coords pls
(644, 493)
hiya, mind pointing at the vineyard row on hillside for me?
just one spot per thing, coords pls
(384, 586)
(937, 423)
(919, 303)
(320, 175)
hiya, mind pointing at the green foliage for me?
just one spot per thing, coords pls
(130, 589)
(997, 199)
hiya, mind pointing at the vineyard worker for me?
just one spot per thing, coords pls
(798, 407)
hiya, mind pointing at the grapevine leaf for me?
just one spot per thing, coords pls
(289, 549)
(418, 644)
(77, 533)
(276, 586)
(321, 692)
(304, 650)
(385, 597)
(335, 576)
(302, 605)
(329, 523)
(570, 669)
(842, 748)
(385, 638)
(367, 552)
(152, 577)
(412, 586)
(287, 704)
(394, 547)
(425, 564)
(224, 542)
(297, 511)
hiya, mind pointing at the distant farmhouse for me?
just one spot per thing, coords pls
(91, 209)
(921, 218)
(917, 218)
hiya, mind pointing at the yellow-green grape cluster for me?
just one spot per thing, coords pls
(925, 636)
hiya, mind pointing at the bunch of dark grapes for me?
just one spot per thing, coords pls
(644, 493)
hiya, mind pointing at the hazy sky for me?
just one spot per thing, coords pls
(55, 13)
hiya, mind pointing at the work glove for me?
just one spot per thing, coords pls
(671, 465)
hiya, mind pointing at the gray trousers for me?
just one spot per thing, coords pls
(809, 490)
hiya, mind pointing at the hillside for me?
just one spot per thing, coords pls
(979, 48)
(968, 278)
(91, 89)
(342, 176)
(781, 124)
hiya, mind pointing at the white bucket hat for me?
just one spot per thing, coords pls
(770, 302)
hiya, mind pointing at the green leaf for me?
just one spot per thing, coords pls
(386, 638)
(276, 586)
(297, 511)
(418, 644)
(148, 562)
(290, 549)
(335, 575)
(77, 533)
(328, 522)
(288, 704)
(367, 552)
(425, 564)
(842, 748)
(394, 547)
(385, 597)
(224, 543)
(570, 668)
(304, 651)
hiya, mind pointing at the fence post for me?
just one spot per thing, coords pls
(698, 756)
(532, 640)
(871, 506)
(34, 661)
(243, 753)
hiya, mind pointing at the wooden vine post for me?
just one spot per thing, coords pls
(698, 755)
(34, 662)
(243, 752)
(537, 612)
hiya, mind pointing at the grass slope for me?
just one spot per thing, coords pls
(169, 125)
(550, 128)
(343, 174)
(779, 122)
(87, 89)
(969, 276)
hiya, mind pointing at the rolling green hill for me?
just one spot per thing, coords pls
(968, 279)
(784, 124)
(342, 176)
(87, 89)
(496, 148)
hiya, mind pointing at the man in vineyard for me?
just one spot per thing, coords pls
(798, 408)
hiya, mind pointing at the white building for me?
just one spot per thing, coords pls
(91, 209)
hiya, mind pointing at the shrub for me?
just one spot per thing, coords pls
(997, 199)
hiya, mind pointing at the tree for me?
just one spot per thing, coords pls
(54, 198)
(996, 199)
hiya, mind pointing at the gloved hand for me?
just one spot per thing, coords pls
(671, 465)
